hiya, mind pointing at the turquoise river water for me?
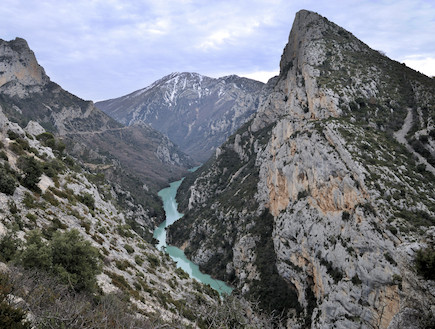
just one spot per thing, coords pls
(172, 215)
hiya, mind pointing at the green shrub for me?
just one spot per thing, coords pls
(4, 156)
(129, 248)
(49, 197)
(10, 317)
(37, 252)
(88, 200)
(425, 263)
(52, 168)
(356, 280)
(28, 200)
(7, 182)
(389, 258)
(32, 171)
(153, 260)
(138, 260)
(9, 246)
(302, 194)
(13, 207)
(13, 135)
(182, 274)
(74, 260)
(122, 264)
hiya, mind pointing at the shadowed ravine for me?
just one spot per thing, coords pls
(172, 215)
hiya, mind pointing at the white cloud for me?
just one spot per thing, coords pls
(262, 76)
(106, 48)
(423, 64)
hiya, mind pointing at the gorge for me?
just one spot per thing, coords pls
(316, 199)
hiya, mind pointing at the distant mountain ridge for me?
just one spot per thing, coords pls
(196, 112)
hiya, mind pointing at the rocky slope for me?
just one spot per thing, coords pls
(315, 207)
(60, 197)
(137, 158)
(196, 112)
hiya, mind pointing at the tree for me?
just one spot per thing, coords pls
(425, 263)
(9, 245)
(10, 316)
(37, 253)
(67, 255)
(7, 182)
(32, 171)
(75, 261)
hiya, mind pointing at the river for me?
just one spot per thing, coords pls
(170, 206)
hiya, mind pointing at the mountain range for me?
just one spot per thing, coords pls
(316, 199)
(196, 112)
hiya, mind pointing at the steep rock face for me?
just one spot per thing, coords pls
(18, 66)
(138, 157)
(350, 205)
(196, 112)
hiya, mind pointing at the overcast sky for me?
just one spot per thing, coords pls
(100, 49)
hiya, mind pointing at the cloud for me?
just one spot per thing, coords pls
(262, 76)
(101, 49)
(423, 64)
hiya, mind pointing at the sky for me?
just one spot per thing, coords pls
(102, 49)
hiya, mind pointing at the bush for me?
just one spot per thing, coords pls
(66, 255)
(10, 317)
(75, 260)
(153, 260)
(425, 263)
(88, 200)
(37, 253)
(129, 248)
(13, 135)
(4, 156)
(9, 246)
(32, 171)
(7, 182)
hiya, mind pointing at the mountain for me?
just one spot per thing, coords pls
(75, 250)
(69, 255)
(138, 158)
(196, 112)
(321, 207)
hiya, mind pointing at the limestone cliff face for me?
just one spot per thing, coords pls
(19, 69)
(350, 205)
(196, 112)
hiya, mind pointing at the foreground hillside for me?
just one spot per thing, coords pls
(196, 112)
(322, 206)
(69, 257)
(78, 204)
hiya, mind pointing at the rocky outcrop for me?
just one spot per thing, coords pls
(347, 200)
(19, 70)
(196, 112)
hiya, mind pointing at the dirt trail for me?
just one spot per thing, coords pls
(93, 132)
(400, 137)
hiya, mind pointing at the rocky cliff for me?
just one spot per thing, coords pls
(319, 205)
(196, 112)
